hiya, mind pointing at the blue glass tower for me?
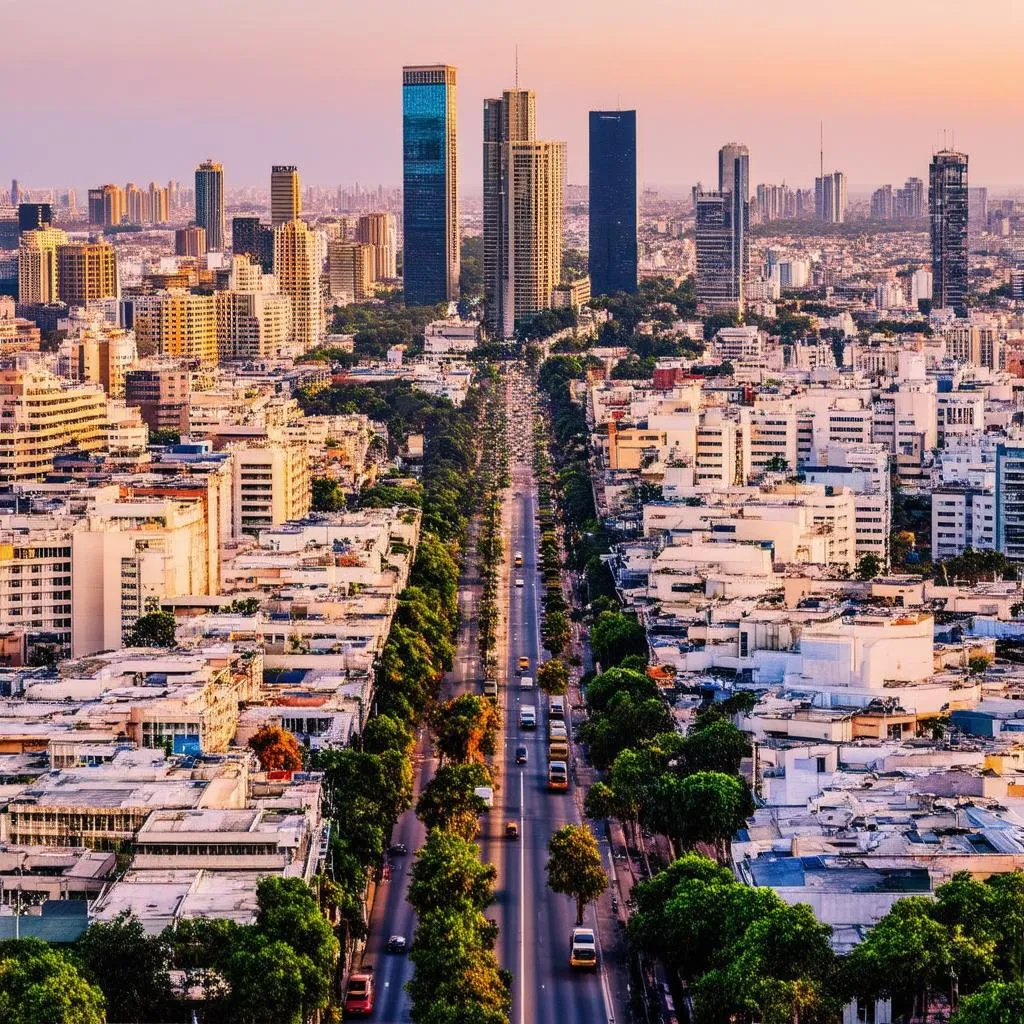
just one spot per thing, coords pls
(430, 185)
(612, 201)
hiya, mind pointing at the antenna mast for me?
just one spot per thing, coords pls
(517, 67)
(821, 149)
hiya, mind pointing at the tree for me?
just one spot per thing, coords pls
(38, 984)
(601, 689)
(869, 567)
(706, 807)
(554, 631)
(448, 874)
(553, 677)
(574, 867)
(625, 722)
(130, 967)
(465, 728)
(277, 749)
(328, 495)
(996, 1002)
(448, 801)
(977, 663)
(267, 982)
(715, 747)
(154, 629)
(385, 732)
(615, 636)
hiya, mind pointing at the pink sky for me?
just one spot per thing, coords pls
(135, 89)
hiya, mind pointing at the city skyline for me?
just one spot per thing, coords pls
(153, 130)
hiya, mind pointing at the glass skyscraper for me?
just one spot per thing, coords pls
(948, 209)
(210, 203)
(430, 182)
(613, 210)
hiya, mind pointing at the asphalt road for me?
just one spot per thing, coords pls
(534, 923)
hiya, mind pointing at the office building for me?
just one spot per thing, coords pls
(32, 216)
(613, 202)
(430, 216)
(177, 324)
(106, 206)
(210, 203)
(190, 241)
(298, 261)
(524, 196)
(909, 203)
(882, 203)
(734, 181)
(251, 238)
(285, 199)
(350, 270)
(830, 197)
(977, 210)
(38, 281)
(948, 211)
(378, 230)
(716, 286)
(86, 272)
(1010, 500)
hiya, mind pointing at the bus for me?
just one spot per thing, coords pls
(556, 708)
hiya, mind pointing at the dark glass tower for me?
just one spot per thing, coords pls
(430, 215)
(254, 239)
(34, 215)
(948, 210)
(613, 210)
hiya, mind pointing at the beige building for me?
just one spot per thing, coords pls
(135, 204)
(351, 270)
(37, 265)
(285, 194)
(298, 262)
(178, 324)
(158, 205)
(378, 230)
(106, 205)
(40, 414)
(254, 321)
(103, 357)
(270, 485)
(86, 271)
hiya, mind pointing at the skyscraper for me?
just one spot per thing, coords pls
(86, 271)
(830, 197)
(947, 209)
(133, 204)
(37, 265)
(430, 216)
(723, 239)
(285, 198)
(32, 216)
(158, 204)
(613, 210)
(524, 197)
(254, 239)
(210, 202)
(378, 230)
(909, 203)
(882, 203)
(106, 206)
(298, 260)
(734, 181)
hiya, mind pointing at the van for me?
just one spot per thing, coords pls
(491, 688)
(527, 717)
(526, 682)
(556, 709)
(558, 775)
(558, 751)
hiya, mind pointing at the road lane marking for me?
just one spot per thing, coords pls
(522, 897)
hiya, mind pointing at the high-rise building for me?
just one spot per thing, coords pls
(134, 203)
(378, 230)
(254, 321)
(190, 241)
(882, 203)
(734, 181)
(285, 195)
(909, 203)
(351, 270)
(298, 261)
(977, 209)
(524, 196)
(86, 272)
(158, 204)
(613, 210)
(717, 288)
(15, 193)
(830, 197)
(430, 216)
(210, 202)
(32, 216)
(255, 240)
(177, 324)
(106, 206)
(38, 282)
(947, 209)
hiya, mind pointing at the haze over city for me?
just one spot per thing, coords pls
(143, 90)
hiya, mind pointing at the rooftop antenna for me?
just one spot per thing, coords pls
(517, 67)
(821, 149)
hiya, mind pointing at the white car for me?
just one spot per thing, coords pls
(519, 581)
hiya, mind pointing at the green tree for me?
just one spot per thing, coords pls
(267, 982)
(601, 689)
(277, 749)
(553, 677)
(154, 629)
(385, 732)
(574, 867)
(706, 807)
(625, 722)
(977, 663)
(328, 495)
(465, 728)
(449, 802)
(614, 636)
(996, 1002)
(448, 873)
(554, 631)
(869, 567)
(717, 746)
(39, 984)
(130, 967)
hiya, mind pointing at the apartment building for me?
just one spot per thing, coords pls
(178, 325)
(270, 485)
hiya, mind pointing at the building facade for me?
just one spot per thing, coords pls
(285, 195)
(948, 211)
(613, 202)
(210, 203)
(298, 259)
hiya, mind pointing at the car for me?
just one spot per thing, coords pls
(583, 949)
(511, 830)
(359, 996)
(519, 581)
(398, 849)
(522, 754)
(397, 944)
(523, 663)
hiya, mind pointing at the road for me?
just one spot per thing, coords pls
(534, 923)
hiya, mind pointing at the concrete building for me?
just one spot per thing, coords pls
(103, 357)
(161, 395)
(38, 280)
(254, 321)
(190, 241)
(270, 485)
(378, 230)
(351, 270)
(106, 206)
(285, 194)
(178, 325)
(298, 262)
(210, 203)
(86, 272)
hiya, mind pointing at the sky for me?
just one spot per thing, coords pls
(119, 90)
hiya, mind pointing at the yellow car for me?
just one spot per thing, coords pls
(524, 663)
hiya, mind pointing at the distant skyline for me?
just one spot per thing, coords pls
(133, 91)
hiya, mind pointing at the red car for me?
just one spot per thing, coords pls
(359, 995)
